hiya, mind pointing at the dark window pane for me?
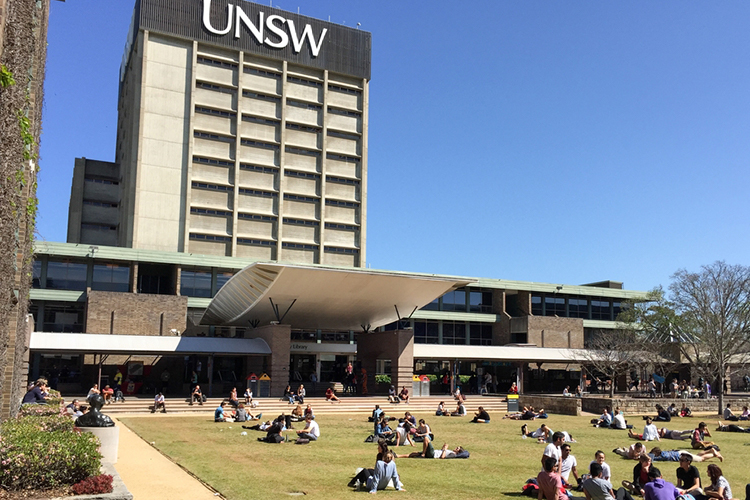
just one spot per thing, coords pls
(600, 310)
(554, 306)
(195, 283)
(111, 278)
(66, 275)
(36, 271)
(63, 318)
(578, 308)
(536, 305)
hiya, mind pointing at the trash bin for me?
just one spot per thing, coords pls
(264, 386)
(512, 402)
(416, 385)
(425, 385)
(252, 384)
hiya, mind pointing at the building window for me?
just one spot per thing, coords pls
(617, 308)
(66, 275)
(600, 310)
(195, 283)
(480, 301)
(454, 301)
(554, 306)
(578, 308)
(420, 333)
(536, 305)
(480, 334)
(36, 274)
(454, 333)
(67, 318)
(111, 278)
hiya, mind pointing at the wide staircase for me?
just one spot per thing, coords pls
(272, 407)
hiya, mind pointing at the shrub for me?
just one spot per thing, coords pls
(464, 379)
(382, 379)
(37, 410)
(39, 455)
(433, 378)
(94, 485)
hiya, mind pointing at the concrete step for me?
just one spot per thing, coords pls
(274, 406)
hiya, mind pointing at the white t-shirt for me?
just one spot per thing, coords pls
(553, 451)
(618, 422)
(606, 471)
(314, 428)
(650, 433)
(567, 466)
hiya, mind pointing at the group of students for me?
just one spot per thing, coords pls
(408, 430)
(558, 464)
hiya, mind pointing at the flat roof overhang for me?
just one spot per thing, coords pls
(498, 353)
(318, 297)
(81, 343)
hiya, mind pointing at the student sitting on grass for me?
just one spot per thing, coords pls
(481, 416)
(650, 432)
(361, 477)
(423, 431)
(460, 410)
(599, 459)
(311, 431)
(441, 411)
(385, 471)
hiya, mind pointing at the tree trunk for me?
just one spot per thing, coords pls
(720, 387)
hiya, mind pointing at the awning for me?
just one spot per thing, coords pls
(318, 297)
(498, 353)
(83, 343)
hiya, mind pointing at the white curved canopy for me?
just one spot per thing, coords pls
(322, 297)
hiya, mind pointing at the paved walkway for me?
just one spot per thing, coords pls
(149, 474)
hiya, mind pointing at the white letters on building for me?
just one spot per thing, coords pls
(273, 23)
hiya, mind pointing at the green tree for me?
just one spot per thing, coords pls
(707, 314)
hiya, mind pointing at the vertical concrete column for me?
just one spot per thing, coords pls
(396, 346)
(279, 339)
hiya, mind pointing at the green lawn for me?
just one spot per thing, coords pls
(240, 467)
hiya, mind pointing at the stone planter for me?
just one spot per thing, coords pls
(110, 439)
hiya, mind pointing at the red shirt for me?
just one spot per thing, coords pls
(550, 485)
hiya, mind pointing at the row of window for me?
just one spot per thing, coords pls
(462, 300)
(447, 332)
(575, 307)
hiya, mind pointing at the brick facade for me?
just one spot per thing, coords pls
(135, 314)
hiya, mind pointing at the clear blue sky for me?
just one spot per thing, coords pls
(561, 142)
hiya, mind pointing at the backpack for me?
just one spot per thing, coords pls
(370, 438)
(531, 488)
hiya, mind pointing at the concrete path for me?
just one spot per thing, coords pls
(150, 475)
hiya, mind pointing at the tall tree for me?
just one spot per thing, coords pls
(707, 314)
(713, 306)
(610, 353)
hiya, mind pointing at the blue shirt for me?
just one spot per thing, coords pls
(380, 429)
(219, 414)
(668, 456)
(384, 472)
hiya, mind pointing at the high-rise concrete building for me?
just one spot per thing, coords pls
(242, 132)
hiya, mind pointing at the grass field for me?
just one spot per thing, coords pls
(240, 467)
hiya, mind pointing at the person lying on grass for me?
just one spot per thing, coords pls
(674, 455)
(632, 452)
(428, 451)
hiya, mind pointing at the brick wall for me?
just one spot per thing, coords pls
(134, 314)
(549, 331)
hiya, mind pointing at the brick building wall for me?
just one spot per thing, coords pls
(135, 314)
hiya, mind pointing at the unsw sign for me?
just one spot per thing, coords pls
(274, 30)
